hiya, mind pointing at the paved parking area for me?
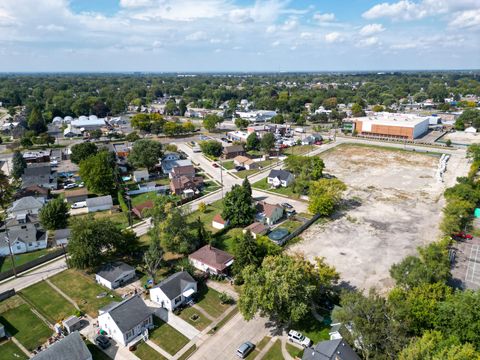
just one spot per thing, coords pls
(466, 267)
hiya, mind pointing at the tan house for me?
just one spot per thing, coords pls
(248, 163)
(268, 214)
(211, 260)
(256, 229)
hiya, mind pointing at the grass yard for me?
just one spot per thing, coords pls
(225, 320)
(167, 337)
(146, 352)
(163, 181)
(210, 186)
(275, 352)
(299, 149)
(313, 329)
(27, 328)
(228, 165)
(20, 259)
(119, 218)
(200, 323)
(209, 300)
(141, 198)
(207, 217)
(226, 242)
(245, 173)
(294, 351)
(48, 302)
(97, 354)
(85, 291)
(10, 351)
(263, 185)
(290, 225)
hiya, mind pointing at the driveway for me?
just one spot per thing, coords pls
(225, 342)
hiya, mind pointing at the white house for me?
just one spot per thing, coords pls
(25, 205)
(24, 235)
(62, 236)
(140, 175)
(211, 260)
(174, 290)
(278, 178)
(268, 214)
(71, 347)
(127, 320)
(470, 130)
(99, 203)
(218, 222)
(114, 275)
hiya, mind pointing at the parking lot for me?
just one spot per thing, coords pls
(393, 205)
(466, 268)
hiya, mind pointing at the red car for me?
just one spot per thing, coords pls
(462, 235)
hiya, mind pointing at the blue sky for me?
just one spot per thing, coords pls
(238, 35)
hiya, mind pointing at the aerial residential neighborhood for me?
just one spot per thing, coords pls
(261, 180)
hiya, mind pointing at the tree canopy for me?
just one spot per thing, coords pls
(54, 214)
(99, 172)
(238, 207)
(324, 195)
(211, 147)
(83, 151)
(145, 153)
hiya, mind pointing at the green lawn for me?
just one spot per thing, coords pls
(225, 320)
(228, 165)
(226, 242)
(291, 225)
(141, 198)
(20, 259)
(27, 328)
(84, 292)
(97, 354)
(245, 173)
(210, 186)
(275, 352)
(294, 351)
(263, 342)
(207, 217)
(167, 337)
(263, 185)
(208, 299)
(48, 302)
(119, 218)
(298, 149)
(200, 323)
(146, 352)
(313, 329)
(163, 181)
(10, 351)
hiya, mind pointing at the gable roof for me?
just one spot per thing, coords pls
(76, 192)
(26, 203)
(70, 347)
(266, 208)
(243, 159)
(62, 234)
(233, 149)
(37, 170)
(183, 170)
(128, 313)
(173, 286)
(331, 350)
(218, 219)
(32, 190)
(281, 174)
(213, 257)
(257, 228)
(99, 201)
(140, 173)
(112, 271)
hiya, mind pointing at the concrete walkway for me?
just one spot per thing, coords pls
(203, 312)
(68, 298)
(173, 320)
(285, 353)
(223, 287)
(20, 346)
(158, 349)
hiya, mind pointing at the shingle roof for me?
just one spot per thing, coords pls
(70, 347)
(173, 286)
(26, 203)
(37, 170)
(257, 228)
(100, 200)
(183, 170)
(266, 208)
(233, 149)
(281, 174)
(218, 218)
(129, 313)
(331, 350)
(62, 234)
(213, 257)
(112, 271)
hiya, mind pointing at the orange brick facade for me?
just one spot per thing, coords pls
(386, 130)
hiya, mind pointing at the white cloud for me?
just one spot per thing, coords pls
(290, 24)
(371, 29)
(333, 37)
(276, 43)
(404, 46)
(51, 28)
(196, 36)
(466, 19)
(370, 41)
(135, 3)
(327, 17)
(240, 16)
(306, 35)
(271, 29)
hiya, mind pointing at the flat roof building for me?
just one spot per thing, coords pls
(404, 126)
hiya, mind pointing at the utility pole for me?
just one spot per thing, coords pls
(221, 177)
(10, 249)
(129, 204)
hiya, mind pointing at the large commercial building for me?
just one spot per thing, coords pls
(403, 126)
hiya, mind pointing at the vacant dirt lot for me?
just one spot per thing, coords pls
(460, 137)
(393, 205)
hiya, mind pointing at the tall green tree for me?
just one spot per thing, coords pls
(153, 258)
(36, 122)
(211, 147)
(145, 153)
(6, 190)
(54, 215)
(99, 173)
(324, 196)
(83, 151)
(253, 142)
(238, 207)
(174, 231)
(18, 165)
(211, 121)
(267, 143)
(246, 253)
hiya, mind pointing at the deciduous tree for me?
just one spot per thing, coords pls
(238, 207)
(324, 195)
(83, 151)
(145, 153)
(54, 214)
(99, 173)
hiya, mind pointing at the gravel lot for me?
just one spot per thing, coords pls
(393, 205)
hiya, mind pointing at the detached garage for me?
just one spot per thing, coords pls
(114, 275)
(100, 203)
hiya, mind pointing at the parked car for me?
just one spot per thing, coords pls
(79, 205)
(102, 341)
(287, 205)
(70, 186)
(462, 235)
(239, 168)
(245, 349)
(215, 165)
(299, 338)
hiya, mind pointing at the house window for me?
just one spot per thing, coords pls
(18, 247)
(29, 244)
(24, 226)
(178, 299)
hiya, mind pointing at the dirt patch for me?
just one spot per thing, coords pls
(397, 208)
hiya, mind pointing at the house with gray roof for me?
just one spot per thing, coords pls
(337, 349)
(71, 347)
(127, 320)
(25, 205)
(168, 165)
(100, 203)
(62, 236)
(281, 178)
(140, 175)
(174, 290)
(115, 274)
(22, 234)
(40, 174)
